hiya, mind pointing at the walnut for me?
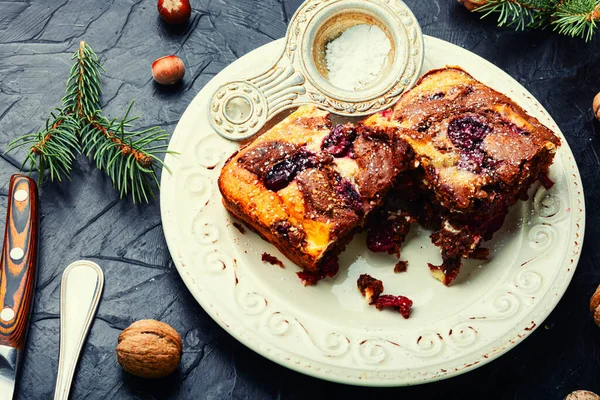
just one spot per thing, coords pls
(149, 349)
(582, 395)
(595, 305)
(595, 300)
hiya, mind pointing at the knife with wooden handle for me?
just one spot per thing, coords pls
(18, 264)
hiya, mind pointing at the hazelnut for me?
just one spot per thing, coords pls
(472, 4)
(582, 395)
(149, 349)
(168, 70)
(174, 11)
(596, 106)
(595, 300)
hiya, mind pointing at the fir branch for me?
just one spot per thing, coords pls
(577, 18)
(52, 148)
(129, 157)
(84, 86)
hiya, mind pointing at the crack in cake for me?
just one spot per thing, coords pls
(452, 154)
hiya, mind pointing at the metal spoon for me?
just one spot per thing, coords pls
(81, 288)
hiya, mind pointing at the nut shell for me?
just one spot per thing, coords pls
(596, 106)
(595, 300)
(472, 4)
(582, 395)
(149, 349)
(174, 11)
(168, 70)
(597, 316)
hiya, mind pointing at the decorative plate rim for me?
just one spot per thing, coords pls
(374, 377)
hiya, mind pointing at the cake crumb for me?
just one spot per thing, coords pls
(266, 257)
(369, 287)
(401, 266)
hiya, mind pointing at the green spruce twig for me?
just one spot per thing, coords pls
(129, 157)
(84, 84)
(53, 147)
(577, 18)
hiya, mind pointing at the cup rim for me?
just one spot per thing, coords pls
(386, 18)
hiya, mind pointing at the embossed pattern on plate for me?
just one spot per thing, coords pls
(328, 331)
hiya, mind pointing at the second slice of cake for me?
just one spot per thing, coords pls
(478, 153)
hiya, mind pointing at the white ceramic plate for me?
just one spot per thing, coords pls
(328, 331)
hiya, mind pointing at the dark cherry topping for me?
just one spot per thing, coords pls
(401, 303)
(304, 159)
(381, 240)
(467, 134)
(349, 194)
(339, 141)
(386, 233)
(517, 130)
(281, 174)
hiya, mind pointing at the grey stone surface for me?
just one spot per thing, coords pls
(84, 219)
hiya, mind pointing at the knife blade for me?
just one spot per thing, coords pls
(18, 264)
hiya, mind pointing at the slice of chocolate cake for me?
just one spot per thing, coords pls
(478, 153)
(307, 186)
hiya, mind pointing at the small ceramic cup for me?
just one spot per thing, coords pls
(239, 109)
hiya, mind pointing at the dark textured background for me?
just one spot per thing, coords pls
(84, 218)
